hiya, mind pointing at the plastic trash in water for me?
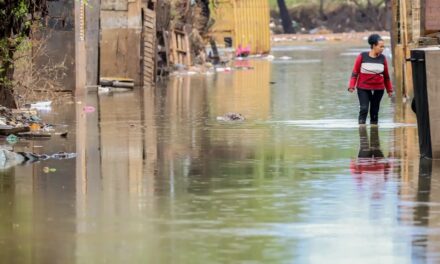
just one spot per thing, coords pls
(34, 127)
(48, 170)
(35, 118)
(269, 57)
(11, 139)
(89, 109)
(103, 89)
(43, 106)
(63, 155)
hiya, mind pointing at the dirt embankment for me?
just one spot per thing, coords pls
(345, 17)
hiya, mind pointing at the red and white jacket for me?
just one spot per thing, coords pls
(370, 73)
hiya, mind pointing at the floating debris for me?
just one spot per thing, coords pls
(45, 105)
(24, 123)
(12, 139)
(116, 82)
(89, 109)
(231, 117)
(10, 158)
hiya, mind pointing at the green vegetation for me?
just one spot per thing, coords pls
(17, 18)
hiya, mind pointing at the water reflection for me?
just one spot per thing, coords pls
(426, 238)
(157, 179)
(371, 161)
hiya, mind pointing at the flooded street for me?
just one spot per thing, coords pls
(159, 180)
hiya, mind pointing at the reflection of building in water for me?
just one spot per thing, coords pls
(422, 212)
(246, 92)
(405, 147)
(406, 143)
(110, 183)
(183, 138)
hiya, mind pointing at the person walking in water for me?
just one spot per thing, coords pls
(371, 77)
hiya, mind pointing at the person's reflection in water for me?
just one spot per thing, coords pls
(370, 160)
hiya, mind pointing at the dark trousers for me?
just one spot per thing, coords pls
(369, 99)
(369, 148)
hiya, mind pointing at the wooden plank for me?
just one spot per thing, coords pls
(6, 132)
(149, 54)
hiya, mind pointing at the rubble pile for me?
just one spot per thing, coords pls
(25, 123)
(10, 119)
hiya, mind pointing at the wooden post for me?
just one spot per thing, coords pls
(407, 79)
(80, 47)
(149, 47)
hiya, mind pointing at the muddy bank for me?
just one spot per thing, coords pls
(345, 17)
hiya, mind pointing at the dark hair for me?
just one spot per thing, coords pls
(373, 39)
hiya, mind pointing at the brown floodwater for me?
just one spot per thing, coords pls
(158, 179)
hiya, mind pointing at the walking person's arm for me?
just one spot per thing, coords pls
(387, 80)
(355, 73)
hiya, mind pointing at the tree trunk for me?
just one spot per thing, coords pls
(321, 9)
(7, 98)
(285, 17)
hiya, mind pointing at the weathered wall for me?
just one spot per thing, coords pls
(433, 85)
(61, 39)
(92, 41)
(120, 45)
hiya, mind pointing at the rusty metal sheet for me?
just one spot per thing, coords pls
(246, 21)
(432, 15)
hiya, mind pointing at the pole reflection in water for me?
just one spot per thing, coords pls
(426, 216)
